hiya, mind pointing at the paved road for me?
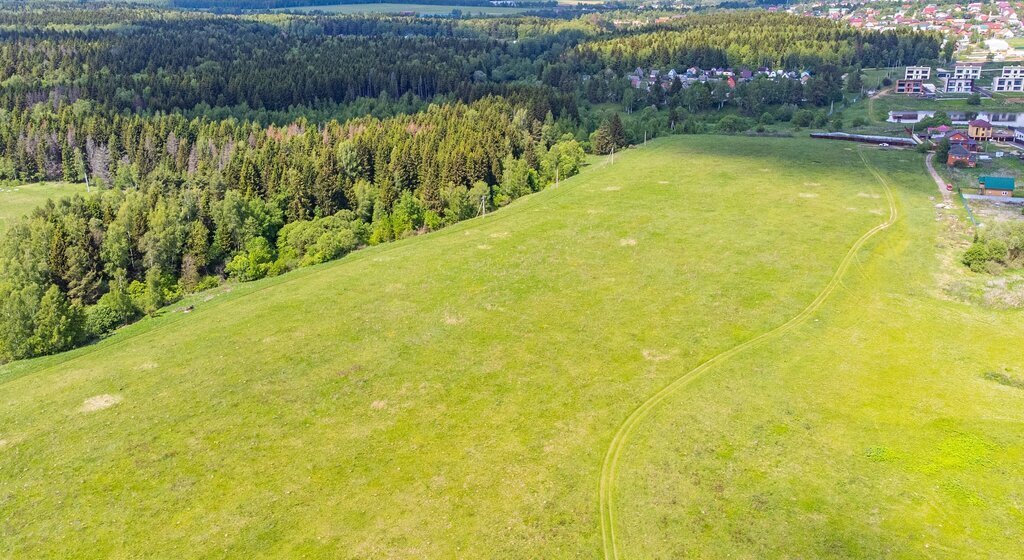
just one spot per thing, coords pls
(938, 180)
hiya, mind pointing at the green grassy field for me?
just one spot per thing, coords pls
(421, 9)
(455, 394)
(18, 200)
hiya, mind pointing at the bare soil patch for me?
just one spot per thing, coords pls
(100, 402)
(654, 356)
(452, 319)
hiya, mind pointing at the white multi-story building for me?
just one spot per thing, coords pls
(917, 73)
(1013, 72)
(1012, 79)
(967, 71)
(1001, 84)
(958, 85)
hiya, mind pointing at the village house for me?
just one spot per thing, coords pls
(917, 73)
(960, 138)
(1012, 79)
(980, 130)
(938, 132)
(958, 85)
(647, 79)
(967, 71)
(958, 154)
(910, 87)
(996, 186)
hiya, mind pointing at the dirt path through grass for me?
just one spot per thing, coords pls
(609, 468)
(935, 176)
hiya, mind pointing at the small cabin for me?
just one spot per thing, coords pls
(996, 186)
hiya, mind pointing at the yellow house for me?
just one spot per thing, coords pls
(980, 130)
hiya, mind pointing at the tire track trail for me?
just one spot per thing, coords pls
(609, 468)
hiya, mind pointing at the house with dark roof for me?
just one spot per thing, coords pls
(980, 130)
(959, 155)
(960, 137)
(996, 186)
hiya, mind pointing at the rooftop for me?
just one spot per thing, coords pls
(996, 183)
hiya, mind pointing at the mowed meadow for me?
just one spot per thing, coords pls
(19, 200)
(454, 394)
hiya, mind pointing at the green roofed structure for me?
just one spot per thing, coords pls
(996, 186)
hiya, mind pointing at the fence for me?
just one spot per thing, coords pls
(967, 207)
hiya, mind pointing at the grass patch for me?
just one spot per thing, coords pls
(19, 200)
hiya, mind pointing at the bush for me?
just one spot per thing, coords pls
(207, 283)
(785, 112)
(114, 309)
(986, 255)
(253, 263)
(803, 118)
(310, 242)
(974, 99)
(731, 124)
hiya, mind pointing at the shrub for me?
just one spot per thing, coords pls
(253, 263)
(803, 118)
(114, 309)
(984, 253)
(731, 124)
(320, 240)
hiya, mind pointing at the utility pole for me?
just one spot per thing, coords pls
(556, 173)
(86, 173)
(483, 205)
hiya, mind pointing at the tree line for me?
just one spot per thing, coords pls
(178, 204)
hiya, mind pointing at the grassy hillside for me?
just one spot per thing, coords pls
(455, 394)
(18, 200)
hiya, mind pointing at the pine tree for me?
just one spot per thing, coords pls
(616, 131)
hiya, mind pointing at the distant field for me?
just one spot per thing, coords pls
(423, 9)
(454, 395)
(19, 200)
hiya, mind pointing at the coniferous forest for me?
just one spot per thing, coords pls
(240, 146)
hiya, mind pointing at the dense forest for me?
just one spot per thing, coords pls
(178, 202)
(236, 5)
(219, 146)
(759, 39)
